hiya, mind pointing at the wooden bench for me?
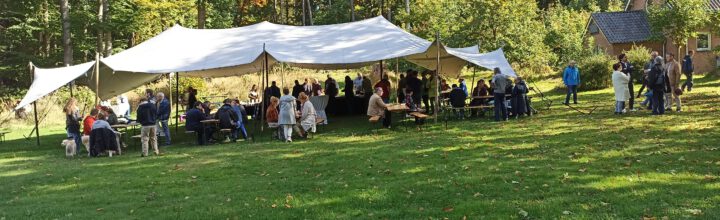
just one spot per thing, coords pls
(2, 135)
(419, 115)
(374, 119)
(226, 132)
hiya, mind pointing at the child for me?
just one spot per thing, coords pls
(412, 107)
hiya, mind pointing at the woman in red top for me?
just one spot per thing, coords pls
(88, 121)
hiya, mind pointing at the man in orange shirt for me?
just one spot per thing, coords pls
(88, 121)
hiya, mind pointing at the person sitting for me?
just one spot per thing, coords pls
(519, 100)
(271, 116)
(409, 102)
(228, 118)
(376, 107)
(307, 117)
(287, 114)
(316, 88)
(206, 108)
(480, 90)
(239, 109)
(102, 137)
(457, 100)
(193, 122)
(112, 118)
(89, 121)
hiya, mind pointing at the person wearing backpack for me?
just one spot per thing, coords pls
(657, 78)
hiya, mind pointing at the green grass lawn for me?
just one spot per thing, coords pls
(559, 164)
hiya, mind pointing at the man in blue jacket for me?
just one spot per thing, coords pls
(193, 118)
(163, 115)
(571, 78)
(146, 116)
(687, 69)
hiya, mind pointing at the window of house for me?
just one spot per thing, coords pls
(703, 42)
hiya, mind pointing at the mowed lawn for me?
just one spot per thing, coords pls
(560, 164)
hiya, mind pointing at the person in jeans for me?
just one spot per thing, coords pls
(72, 122)
(658, 82)
(239, 109)
(147, 117)
(163, 115)
(500, 82)
(688, 69)
(571, 79)
(620, 85)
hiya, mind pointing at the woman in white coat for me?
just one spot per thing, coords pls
(286, 118)
(620, 84)
(307, 116)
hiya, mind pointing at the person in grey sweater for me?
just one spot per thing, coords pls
(500, 83)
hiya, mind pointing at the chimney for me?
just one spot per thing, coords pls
(637, 5)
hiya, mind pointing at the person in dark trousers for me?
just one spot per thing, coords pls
(163, 115)
(659, 83)
(297, 89)
(349, 91)
(571, 79)
(367, 91)
(147, 117)
(193, 119)
(500, 83)
(228, 118)
(402, 85)
(412, 107)
(687, 70)
(331, 90)
(628, 69)
(649, 65)
(519, 99)
(414, 84)
(384, 83)
(457, 100)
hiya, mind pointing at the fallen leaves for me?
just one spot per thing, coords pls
(448, 209)
(694, 211)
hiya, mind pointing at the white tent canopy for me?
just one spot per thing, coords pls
(236, 51)
(46, 81)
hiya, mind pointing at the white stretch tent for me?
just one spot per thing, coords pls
(46, 81)
(236, 51)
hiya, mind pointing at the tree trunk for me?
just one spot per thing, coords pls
(309, 7)
(65, 17)
(201, 13)
(108, 34)
(303, 12)
(407, 10)
(352, 10)
(239, 13)
(131, 40)
(287, 12)
(100, 41)
(45, 34)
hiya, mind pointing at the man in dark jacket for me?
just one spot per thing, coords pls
(687, 69)
(628, 69)
(163, 115)
(227, 116)
(193, 119)
(659, 83)
(297, 89)
(457, 100)
(402, 84)
(414, 84)
(331, 90)
(147, 117)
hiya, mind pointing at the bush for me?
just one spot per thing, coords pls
(638, 56)
(595, 72)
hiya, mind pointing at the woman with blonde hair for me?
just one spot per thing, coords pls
(307, 116)
(72, 122)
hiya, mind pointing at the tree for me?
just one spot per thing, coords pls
(678, 20)
(65, 16)
(201, 11)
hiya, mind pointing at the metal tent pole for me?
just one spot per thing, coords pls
(177, 103)
(70, 85)
(265, 96)
(472, 84)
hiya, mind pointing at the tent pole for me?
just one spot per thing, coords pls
(97, 79)
(397, 74)
(265, 71)
(70, 85)
(472, 84)
(177, 103)
(37, 127)
(437, 79)
(381, 69)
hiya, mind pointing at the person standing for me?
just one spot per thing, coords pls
(384, 83)
(571, 79)
(620, 85)
(500, 83)
(432, 92)
(402, 83)
(72, 123)
(648, 66)
(425, 91)
(192, 98)
(658, 82)
(628, 69)
(688, 69)
(147, 117)
(416, 85)
(163, 115)
(357, 83)
(349, 91)
(253, 94)
(287, 114)
(297, 89)
(376, 107)
(672, 68)
(331, 90)
(463, 86)
(367, 90)
(519, 99)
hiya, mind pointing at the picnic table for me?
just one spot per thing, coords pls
(2, 135)
(397, 107)
(211, 123)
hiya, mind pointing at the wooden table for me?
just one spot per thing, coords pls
(395, 108)
(210, 122)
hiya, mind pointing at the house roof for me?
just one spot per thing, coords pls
(714, 4)
(624, 26)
